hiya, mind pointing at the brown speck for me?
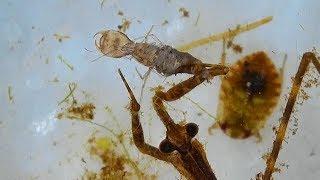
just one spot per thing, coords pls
(41, 40)
(274, 129)
(120, 13)
(259, 176)
(302, 97)
(284, 165)
(125, 25)
(184, 12)
(82, 159)
(235, 47)
(60, 37)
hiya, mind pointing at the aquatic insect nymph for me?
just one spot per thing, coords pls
(249, 93)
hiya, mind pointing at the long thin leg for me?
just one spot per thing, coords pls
(306, 59)
(186, 86)
(137, 131)
(162, 113)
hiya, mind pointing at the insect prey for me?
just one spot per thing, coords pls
(164, 59)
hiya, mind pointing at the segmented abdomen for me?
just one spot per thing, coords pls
(165, 59)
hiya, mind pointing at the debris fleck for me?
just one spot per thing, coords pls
(235, 47)
(120, 13)
(82, 159)
(102, 3)
(125, 25)
(301, 26)
(82, 112)
(116, 164)
(302, 97)
(72, 87)
(197, 20)
(64, 61)
(184, 12)
(41, 40)
(10, 95)
(60, 37)
(165, 22)
(54, 80)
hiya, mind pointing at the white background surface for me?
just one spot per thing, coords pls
(28, 125)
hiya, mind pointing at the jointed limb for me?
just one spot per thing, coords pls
(306, 59)
(162, 113)
(186, 86)
(137, 131)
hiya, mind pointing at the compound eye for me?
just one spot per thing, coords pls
(192, 129)
(166, 146)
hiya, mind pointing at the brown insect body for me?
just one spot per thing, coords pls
(179, 148)
(189, 158)
(249, 93)
(164, 59)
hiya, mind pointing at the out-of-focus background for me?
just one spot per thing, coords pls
(46, 45)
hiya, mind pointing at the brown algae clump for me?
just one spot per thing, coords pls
(82, 112)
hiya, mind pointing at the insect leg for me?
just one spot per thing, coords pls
(307, 58)
(137, 131)
(186, 86)
(162, 112)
